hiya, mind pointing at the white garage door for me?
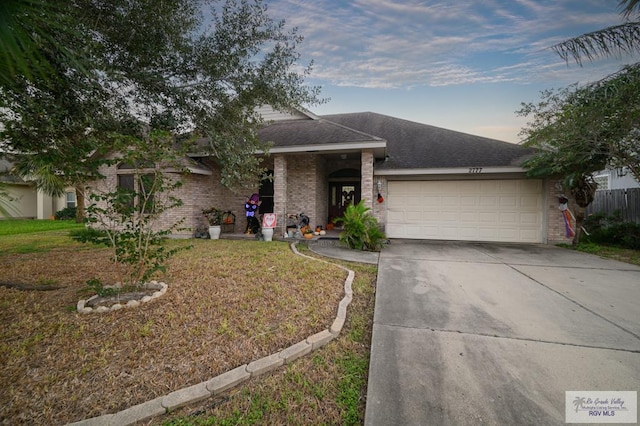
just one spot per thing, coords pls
(478, 210)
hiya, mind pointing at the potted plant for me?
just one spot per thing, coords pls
(308, 233)
(214, 218)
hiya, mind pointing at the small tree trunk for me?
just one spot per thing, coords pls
(579, 221)
(80, 212)
(583, 193)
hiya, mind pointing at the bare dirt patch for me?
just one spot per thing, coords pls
(228, 303)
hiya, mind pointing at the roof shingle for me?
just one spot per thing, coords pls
(311, 132)
(412, 145)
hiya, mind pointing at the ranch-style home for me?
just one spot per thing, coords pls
(26, 201)
(421, 182)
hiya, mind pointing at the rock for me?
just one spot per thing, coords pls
(116, 298)
(118, 301)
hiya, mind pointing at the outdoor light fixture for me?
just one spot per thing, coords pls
(379, 184)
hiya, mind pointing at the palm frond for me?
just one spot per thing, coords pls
(629, 7)
(6, 208)
(617, 40)
(43, 174)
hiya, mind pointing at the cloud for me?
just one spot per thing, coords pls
(401, 44)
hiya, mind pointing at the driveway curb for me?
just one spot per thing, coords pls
(225, 381)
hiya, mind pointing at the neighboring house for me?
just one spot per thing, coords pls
(618, 193)
(435, 183)
(615, 179)
(27, 202)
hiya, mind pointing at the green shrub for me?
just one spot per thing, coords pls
(68, 213)
(128, 218)
(361, 230)
(88, 234)
(611, 230)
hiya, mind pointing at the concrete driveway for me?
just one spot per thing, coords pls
(468, 334)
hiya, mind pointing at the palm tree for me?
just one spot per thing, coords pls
(611, 41)
(5, 201)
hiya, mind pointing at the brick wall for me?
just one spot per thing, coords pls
(380, 209)
(555, 221)
(302, 185)
(198, 192)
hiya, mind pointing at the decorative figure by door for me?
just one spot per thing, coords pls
(251, 205)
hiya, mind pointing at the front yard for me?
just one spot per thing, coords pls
(228, 303)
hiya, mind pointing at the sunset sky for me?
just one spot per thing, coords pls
(464, 65)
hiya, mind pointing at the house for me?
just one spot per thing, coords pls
(434, 183)
(27, 202)
(610, 179)
(618, 194)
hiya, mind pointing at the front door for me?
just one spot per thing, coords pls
(341, 194)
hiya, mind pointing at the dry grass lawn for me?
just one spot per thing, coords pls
(228, 303)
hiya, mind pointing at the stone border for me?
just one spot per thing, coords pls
(232, 378)
(80, 307)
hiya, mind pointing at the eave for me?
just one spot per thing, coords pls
(378, 147)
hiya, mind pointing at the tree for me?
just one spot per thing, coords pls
(127, 217)
(159, 63)
(580, 130)
(28, 28)
(565, 148)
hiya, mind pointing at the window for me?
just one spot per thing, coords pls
(127, 196)
(126, 191)
(70, 199)
(602, 181)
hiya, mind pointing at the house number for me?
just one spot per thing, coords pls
(475, 169)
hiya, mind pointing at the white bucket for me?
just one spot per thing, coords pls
(267, 234)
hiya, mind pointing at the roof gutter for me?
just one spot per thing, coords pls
(328, 147)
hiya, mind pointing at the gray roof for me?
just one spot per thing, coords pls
(412, 145)
(5, 173)
(291, 133)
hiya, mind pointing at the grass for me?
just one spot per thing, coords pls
(229, 303)
(326, 387)
(609, 252)
(18, 236)
(27, 226)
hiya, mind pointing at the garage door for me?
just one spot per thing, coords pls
(479, 210)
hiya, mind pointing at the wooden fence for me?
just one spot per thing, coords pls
(627, 201)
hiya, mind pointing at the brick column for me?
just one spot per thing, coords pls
(554, 220)
(366, 170)
(280, 192)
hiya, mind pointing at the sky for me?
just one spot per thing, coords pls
(465, 65)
